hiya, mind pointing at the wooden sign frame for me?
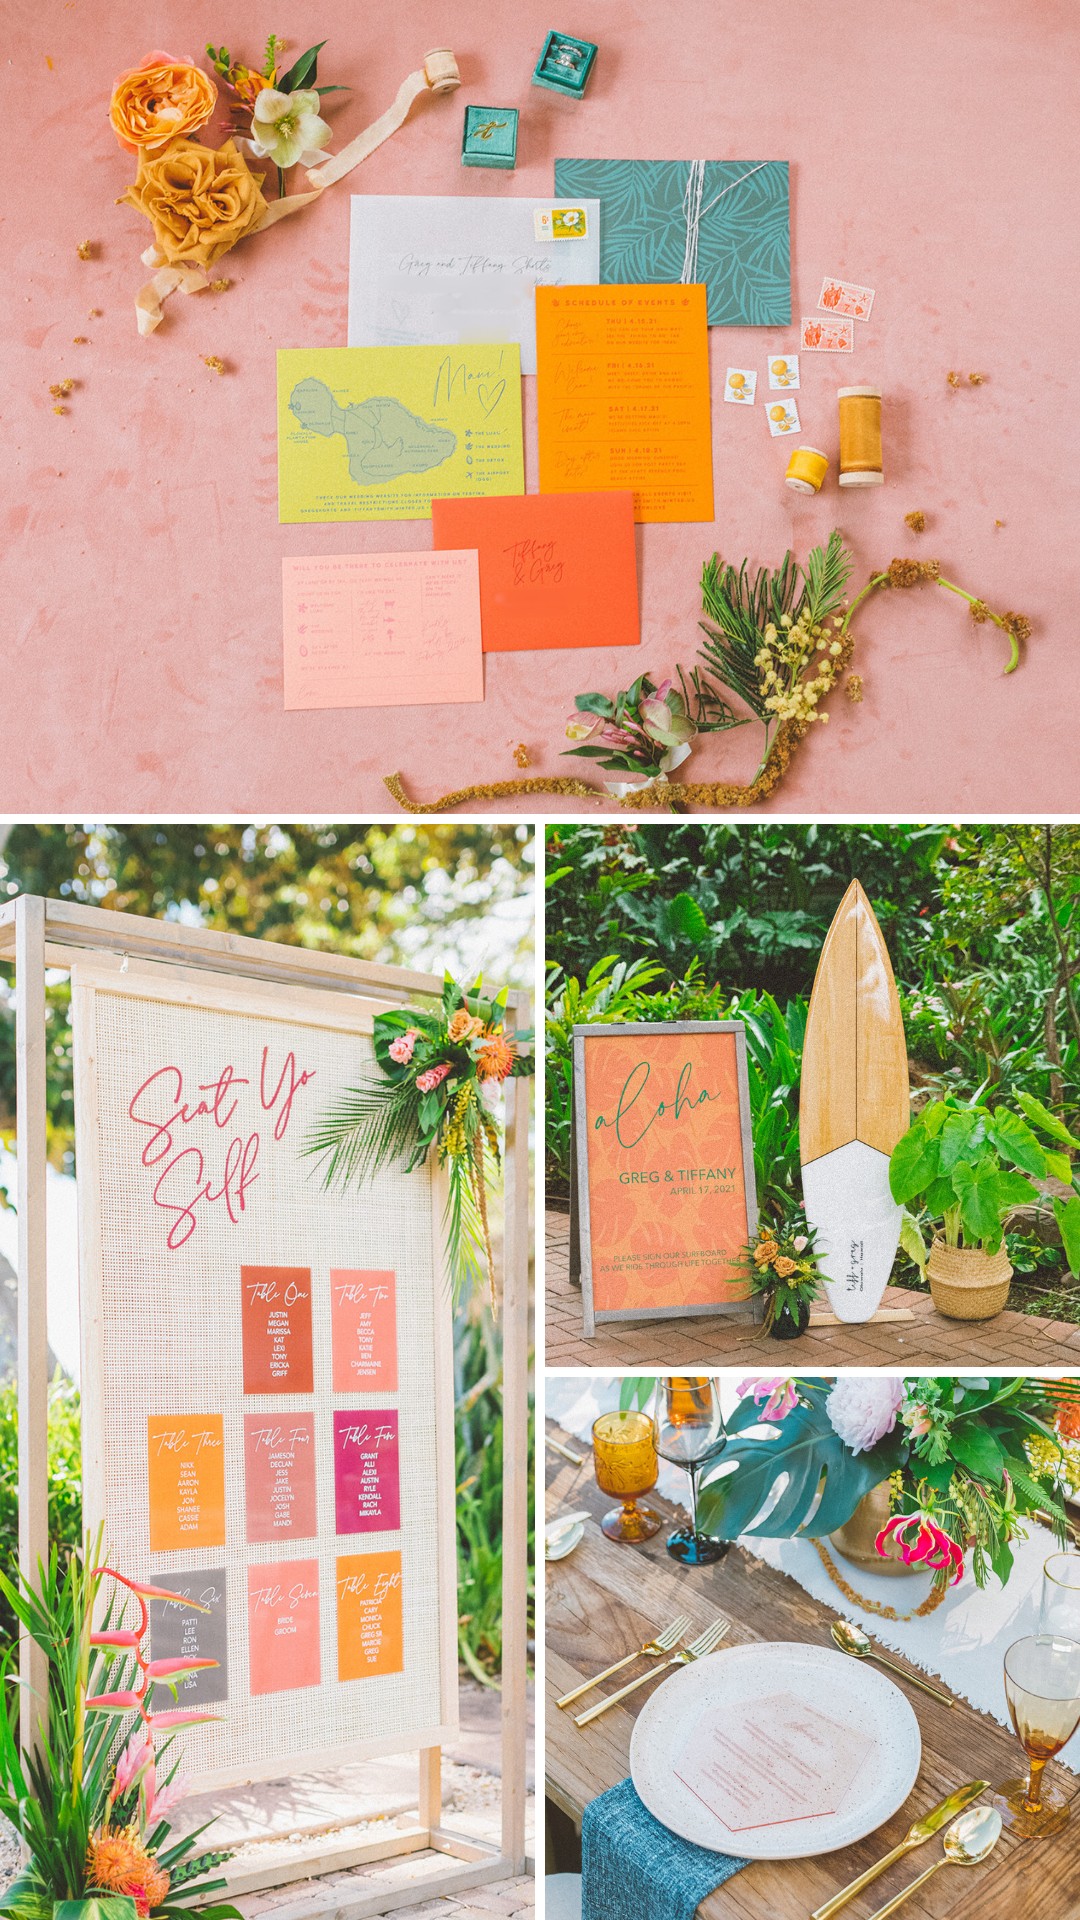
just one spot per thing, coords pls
(580, 1228)
(36, 934)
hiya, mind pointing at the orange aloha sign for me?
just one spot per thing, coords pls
(665, 1167)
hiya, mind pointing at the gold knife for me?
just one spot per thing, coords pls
(930, 1824)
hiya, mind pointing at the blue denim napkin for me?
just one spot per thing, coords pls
(632, 1868)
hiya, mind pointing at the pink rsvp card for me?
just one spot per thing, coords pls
(763, 1763)
(364, 1320)
(382, 630)
(367, 1498)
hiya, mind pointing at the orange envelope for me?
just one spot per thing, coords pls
(556, 569)
(186, 1462)
(623, 396)
(369, 1615)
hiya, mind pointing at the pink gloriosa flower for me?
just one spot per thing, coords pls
(929, 1544)
(775, 1394)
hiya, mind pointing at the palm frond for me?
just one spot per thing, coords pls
(741, 608)
(369, 1126)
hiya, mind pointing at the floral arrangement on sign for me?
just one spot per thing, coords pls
(967, 1460)
(781, 1265)
(200, 199)
(778, 640)
(438, 1087)
(89, 1802)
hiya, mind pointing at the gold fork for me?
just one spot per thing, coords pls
(652, 1650)
(706, 1642)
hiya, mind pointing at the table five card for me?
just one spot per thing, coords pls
(279, 1476)
(363, 1312)
(369, 1615)
(283, 1626)
(186, 1481)
(276, 1322)
(766, 1762)
(556, 569)
(623, 396)
(366, 1491)
(382, 630)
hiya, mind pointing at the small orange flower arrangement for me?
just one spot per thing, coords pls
(781, 1266)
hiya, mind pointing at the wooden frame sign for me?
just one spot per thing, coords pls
(664, 1168)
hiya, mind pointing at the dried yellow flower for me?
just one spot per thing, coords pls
(85, 249)
(979, 612)
(521, 755)
(854, 688)
(916, 521)
(60, 388)
(1017, 624)
(977, 379)
(219, 286)
(80, 340)
(954, 379)
(212, 361)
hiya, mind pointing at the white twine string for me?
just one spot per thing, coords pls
(694, 213)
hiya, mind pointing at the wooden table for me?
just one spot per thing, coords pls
(605, 1599)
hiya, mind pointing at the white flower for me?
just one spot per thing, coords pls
(862, 1412)
(286, 128)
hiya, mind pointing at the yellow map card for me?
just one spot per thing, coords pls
(378, 433)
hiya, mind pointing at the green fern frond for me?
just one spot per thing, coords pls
(827, 572)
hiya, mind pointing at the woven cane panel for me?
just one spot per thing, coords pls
(171, 1344)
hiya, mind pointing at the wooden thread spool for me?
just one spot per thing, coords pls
(806, 470)
(860, 437)
(441, 70)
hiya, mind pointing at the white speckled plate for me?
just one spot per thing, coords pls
(847, 1690)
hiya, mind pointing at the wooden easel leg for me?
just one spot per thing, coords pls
(430, 1787)
(33, 1372)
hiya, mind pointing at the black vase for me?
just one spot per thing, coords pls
(787, 1325)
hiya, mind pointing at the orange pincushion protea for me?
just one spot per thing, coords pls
(495, 1059)
(1067, 1421)
(118, 1862)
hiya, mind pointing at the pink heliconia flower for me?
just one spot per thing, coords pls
(929, 1544)
(774, 1393)
(137, 1757)
(401, 1049)
(125, 1702)
(434, 1077)
(159, 1800)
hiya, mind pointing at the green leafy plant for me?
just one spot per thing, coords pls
(65, 1479)
(967, 1165)
(479, 1454)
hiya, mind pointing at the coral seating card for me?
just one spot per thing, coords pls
(664, 1167)
(180, 1629)
(623, 396)
(276, 1319)
(283, 1626)
(378, 433)
(556, 569)
(763, 1763)
(363, 1311)
(186, 1480)
(382, 630)
(367, 1498)
(369, 1618)
(279, 1476)
(459, 267)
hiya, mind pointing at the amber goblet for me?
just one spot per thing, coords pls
(1042, 1687)
(626, 1464)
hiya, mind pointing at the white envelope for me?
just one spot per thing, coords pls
(441, 271)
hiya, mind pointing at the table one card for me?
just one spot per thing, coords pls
(623, 396)
(381, 630)
(369, 1615)
(283, 1626)
(186, 1481)
(765, 1762)
(182, 1631)
(279, 1476)
(276, 1320)
(363, 1314)
(366, 1488)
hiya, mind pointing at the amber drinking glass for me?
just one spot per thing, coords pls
(1042, 1686)
(624, 1455)
(690, 1433)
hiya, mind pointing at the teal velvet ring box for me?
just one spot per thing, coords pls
(565, 64)
(490, 137)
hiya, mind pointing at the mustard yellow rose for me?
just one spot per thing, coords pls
(158, 101)
(464, 1026)
(199, 200)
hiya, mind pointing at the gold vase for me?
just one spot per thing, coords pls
(855, 1539)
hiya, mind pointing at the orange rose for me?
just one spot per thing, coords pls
(199, 200)
(464, 1026)
(765, 1252)
(784, 1266)
(161, 100)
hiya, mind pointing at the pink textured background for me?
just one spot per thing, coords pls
(140, 635)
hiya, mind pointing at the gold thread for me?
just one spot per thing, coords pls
(860, 431)
(807, 465)
(930, 1604)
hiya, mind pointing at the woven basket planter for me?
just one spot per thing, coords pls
(967, 1284)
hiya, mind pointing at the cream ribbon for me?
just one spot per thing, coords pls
(439, 74)
(620, 788)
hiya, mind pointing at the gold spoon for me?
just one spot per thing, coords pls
(851, 1639)
(969, 1840)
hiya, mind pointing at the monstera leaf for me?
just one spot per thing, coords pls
(805, 1448)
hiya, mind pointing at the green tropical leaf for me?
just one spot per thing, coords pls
(1015, 1141)
(687, 920)
(806, 1449)
(913, 1165)
(1046, 1121)
(303, 71)
(1067, 1215)
(976, 1448)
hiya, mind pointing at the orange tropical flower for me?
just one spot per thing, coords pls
(495, 1059)
(1068, 1419)
(118, 1862)
(161, 100)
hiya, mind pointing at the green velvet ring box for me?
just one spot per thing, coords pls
(565, 64)
(489, 138)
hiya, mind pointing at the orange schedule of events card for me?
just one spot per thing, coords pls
(667, 1165)
(369, 1632)
(623, 396)
(186, 1462)
(556, 569)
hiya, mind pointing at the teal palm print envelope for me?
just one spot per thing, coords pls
(720, 223)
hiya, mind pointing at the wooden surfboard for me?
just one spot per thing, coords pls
(854, 1104)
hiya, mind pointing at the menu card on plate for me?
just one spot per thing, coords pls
(765, 1762)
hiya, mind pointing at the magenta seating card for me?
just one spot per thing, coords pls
(364, 1316)
(283, 1626)
(279, 1475)
(366, 1471)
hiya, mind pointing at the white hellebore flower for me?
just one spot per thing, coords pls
(286, 128)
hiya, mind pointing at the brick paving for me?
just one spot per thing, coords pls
(1011, 1340)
